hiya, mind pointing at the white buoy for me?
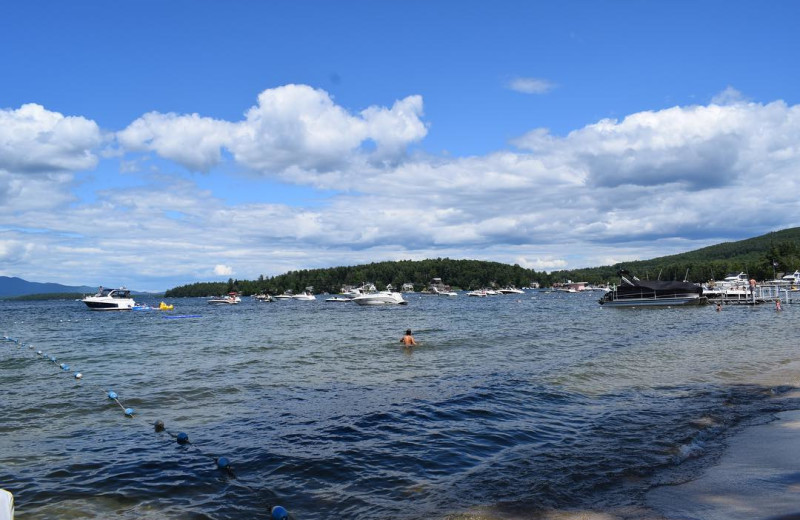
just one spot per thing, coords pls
(6, 505)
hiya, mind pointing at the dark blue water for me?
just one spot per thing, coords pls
(511, 405)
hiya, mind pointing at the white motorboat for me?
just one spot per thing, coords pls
(340, 299)
(304, 296)
(263, 297)
(380, 298)
(480, 293)
(510, 290)
(110, 300)
(231, 299)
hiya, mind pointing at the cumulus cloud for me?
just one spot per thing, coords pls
(293, 129)
(35, 140)
(191, 140)
(614, 189)
(223, 270)
(531, 85)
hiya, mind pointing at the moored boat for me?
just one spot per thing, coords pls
(231, 299)
(110, 300)
(632, 292)
(380, 298)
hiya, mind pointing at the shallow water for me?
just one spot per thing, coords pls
(516, 404)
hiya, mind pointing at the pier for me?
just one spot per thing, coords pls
(758, 295)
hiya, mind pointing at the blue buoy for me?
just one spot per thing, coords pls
(223, 463)
(53, 359)
(129, 412)
(64, 367)
(182, 438)
(279, 513)
(112, 395)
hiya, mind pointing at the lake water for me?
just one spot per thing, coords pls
(511, 405)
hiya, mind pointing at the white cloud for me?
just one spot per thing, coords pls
(35, 140)
(223, 270)
(293, 130)
(531, 85)
(615, 189)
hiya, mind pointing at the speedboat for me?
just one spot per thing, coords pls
(340, 299)
(480, 293)
(110, 300)
(510, 290)
(632, 292)
(380, 298)
(263, 297)
(304, 296)
(231, 299)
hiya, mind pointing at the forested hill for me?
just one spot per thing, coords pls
(462, 274)
(755, 256)
(758, 256)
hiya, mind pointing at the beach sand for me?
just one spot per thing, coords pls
(758, 477)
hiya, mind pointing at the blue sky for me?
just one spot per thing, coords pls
(154, 144)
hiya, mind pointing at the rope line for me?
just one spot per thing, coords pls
(222, 463)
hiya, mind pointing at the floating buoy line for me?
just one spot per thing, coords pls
(222, 463)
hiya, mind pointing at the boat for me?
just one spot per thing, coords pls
(307, 295)
(444, 293)
(263, 297)
(340, 299)
(287, 295)
(479, 293)
(304, 296)
(351, 292)
(141, 307)
(632, 292)
(231, 299)
(510, 290)
(110, 300)
(380, 298)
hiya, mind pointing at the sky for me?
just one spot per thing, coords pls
(153, 144)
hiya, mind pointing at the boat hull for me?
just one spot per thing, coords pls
(380, 299)
(654, 302)
(99, 305)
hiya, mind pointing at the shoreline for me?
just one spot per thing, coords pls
(757, 476)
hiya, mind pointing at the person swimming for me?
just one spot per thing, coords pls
(408, 339)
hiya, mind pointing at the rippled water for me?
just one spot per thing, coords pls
(512, 404)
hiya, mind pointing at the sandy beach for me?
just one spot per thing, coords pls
(758, 477)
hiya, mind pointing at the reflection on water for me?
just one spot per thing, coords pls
(513, 404)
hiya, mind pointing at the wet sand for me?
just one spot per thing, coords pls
(758, 477)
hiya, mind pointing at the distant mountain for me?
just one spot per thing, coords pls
(12, 286)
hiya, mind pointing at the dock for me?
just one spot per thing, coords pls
(760, 294)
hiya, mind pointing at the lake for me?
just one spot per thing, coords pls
(511, 405)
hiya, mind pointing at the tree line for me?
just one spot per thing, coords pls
(459, 274)
(761, 258)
